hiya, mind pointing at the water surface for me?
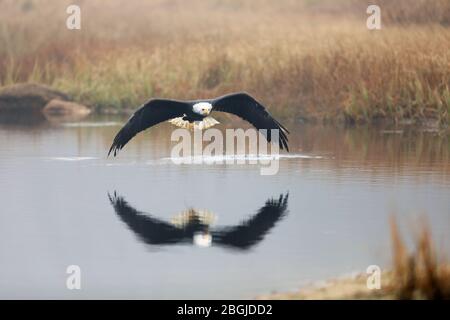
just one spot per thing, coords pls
(125, 221)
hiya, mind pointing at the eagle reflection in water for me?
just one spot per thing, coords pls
(194, 226)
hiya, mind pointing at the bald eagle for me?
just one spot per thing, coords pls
(193, 226)
(194, 114)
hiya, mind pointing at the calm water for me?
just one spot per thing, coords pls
(325, 214)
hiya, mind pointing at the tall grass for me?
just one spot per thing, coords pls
(314, 60)
(422, 274)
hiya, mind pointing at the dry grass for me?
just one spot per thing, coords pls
(311, 59)
(420, 274)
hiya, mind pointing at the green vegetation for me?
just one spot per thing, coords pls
(308, 59)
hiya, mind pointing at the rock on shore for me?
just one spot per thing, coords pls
(32, 99)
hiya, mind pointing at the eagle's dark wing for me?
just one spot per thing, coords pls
(246, 107)
(252, 231)
(150, 114)
(150, 230)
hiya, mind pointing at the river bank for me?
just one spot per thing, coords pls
(306, 64)
(421, 273)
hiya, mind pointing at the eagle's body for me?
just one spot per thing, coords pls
(194, 114)
(198, 111)
(197, 117)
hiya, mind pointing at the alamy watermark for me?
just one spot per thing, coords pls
(374, 20)
(73, 21)
(238, 146)
(73, 281)
(374, 277)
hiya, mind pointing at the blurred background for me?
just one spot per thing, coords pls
(310, 59)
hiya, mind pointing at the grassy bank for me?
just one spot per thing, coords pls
(422, 273)
(311, 59)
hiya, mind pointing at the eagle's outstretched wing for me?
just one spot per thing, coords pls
(150, 114)
(150, 230)
(246, 107)
(253, 230)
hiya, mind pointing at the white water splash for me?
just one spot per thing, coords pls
(71, 158)
(240, 157)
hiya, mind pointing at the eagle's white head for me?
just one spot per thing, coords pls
(202, 239)
(202, 108)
